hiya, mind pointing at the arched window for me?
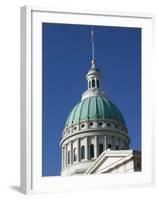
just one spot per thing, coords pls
(68, 157)
(75, 154)
(109, 146)
(138, 166)
(100, 148)
(91, 151)
(82, 152)
(97, 83)
(93, 83)
(108, 124)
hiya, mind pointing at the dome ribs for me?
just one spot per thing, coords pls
(93, 108)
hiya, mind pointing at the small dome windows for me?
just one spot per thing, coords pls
(93, 83)
(97, 83)
(95, 124)
(100, 124)
(82, 125)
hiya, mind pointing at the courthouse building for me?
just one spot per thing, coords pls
(95, 139)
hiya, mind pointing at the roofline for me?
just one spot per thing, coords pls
(128, 153)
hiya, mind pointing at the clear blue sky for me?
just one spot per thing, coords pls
(66, 61)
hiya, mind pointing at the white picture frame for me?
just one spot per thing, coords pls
(31, 134)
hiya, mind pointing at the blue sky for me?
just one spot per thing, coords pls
(66, 61)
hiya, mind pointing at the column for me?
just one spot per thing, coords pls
(71, 152)
(95, 82)
(78, 150)
(105, 142)
(62, 158)
(96, 148)
(65, 156)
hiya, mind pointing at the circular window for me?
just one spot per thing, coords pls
(100, 123)
(83, 125)
(91, 123)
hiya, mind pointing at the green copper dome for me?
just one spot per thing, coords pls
(92, 108)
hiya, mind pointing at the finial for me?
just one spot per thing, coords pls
(93, 64)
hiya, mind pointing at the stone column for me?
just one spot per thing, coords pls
(105, 142)
(78, 150)
(71, 152)
(62, 158)
(96, 148)
(95, 82)
(65, 156)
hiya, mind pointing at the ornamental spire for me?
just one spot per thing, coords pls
(93, 76)
(93, 54)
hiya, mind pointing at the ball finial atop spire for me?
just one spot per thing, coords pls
(93, 64)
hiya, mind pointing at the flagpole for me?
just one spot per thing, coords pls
(92, 40)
